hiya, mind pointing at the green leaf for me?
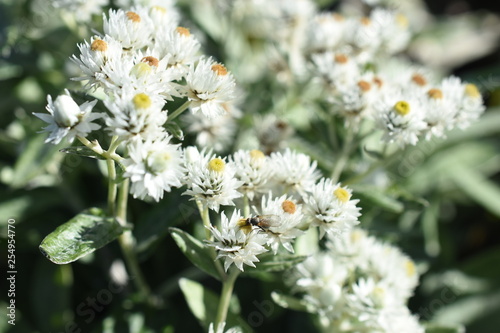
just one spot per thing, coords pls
(275, 263)
(195, 251)
(289, 302)
(174, 129)
(373, 153)
(479, 188)
(82, 151)
(80, 236)
(378, 198)
(204, 303)
(437, 328)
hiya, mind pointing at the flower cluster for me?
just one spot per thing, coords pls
(358, 284)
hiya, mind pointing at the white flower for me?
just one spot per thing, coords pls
(153, 166)
(440, 111)
(217, 133)
(392, 29)
(400, 116)
(284, 216)
(82, 10)
(210, 179)
(133, 29)
(208, 86)
(234, 245)
(296, 172)
(468, 99)
(94, 56)
(254, 170)
(179, 45)
(136, 114)
(68, 119)
(330, 207)
(336, 69)
(325, 32)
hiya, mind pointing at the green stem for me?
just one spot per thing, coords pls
(205, 216)
(225, 297)
(246, 207)
(127, 243)
(381, 163)
(344, 156)
(179, 110)
(112, 188)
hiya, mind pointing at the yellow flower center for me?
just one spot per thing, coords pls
(140, 69)
(151, 61)
(183, 31)
(472, 91)
(402, 20)
(289, 207)
(219, 69)
(141, 101)
(256, 154)
(216, 164)
(342, 194)
(435, 93)
(402, 108)
(99, 45)
(134, 17)
(410, 268)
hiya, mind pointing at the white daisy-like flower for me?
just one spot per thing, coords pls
(217, 133)
(400, 116)
(210, 179)
(208, 86)
(284, 216)
(153, 166)
(133, 29)
(325, 32)
(136, 114)
(179, 45)
(67, 119)
(440, 111)
(234, 245)
(141, 72)
(468, 100)
(329, 206)
(82, 10)
(94, 56)
(364, 35)
(392, 29)
(254, 170)
(336, 69)
(296, 171)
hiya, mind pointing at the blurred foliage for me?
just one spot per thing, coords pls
(444, 212)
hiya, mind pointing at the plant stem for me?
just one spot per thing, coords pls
(344, 156)
(225, 297)
(179, 110)
(246, 207)
(127, 243)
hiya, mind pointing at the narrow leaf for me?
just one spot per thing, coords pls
(478, 187)
(80, 236)
(289, 302)
(436, 328)
(275, 263)
(82, 151)
(174, 129)
(378, 198)
(195, 251)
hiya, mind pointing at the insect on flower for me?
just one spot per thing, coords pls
(263, 222)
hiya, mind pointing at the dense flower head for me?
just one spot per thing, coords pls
(210, 179)
(254, 170)
(330, 207)
(359, 283)
(234, 245)
(153, 166)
